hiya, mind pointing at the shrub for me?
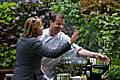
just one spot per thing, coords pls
(113, 73)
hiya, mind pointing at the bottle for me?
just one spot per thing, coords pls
(83, 76)
(88, 74)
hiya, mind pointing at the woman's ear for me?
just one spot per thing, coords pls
(34, 31)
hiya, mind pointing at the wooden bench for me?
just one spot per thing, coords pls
(6, 74)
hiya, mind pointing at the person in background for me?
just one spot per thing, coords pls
(30, 50)
(53, 37)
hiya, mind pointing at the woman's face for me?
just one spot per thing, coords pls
(39, 31)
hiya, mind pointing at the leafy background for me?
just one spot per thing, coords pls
(97, 20)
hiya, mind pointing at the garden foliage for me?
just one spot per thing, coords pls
(98, 23)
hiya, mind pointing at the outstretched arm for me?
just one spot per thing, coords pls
(84, 52)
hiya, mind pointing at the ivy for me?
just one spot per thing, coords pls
(99, 25)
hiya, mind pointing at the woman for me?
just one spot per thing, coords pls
(30, 50)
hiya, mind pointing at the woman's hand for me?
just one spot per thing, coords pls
(74, 37)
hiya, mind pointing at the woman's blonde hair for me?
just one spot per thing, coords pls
(30, 27)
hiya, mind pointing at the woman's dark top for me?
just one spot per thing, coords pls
(29, 52)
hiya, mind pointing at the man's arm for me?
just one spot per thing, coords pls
(86, 53)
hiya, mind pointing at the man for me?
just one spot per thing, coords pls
(53, 37)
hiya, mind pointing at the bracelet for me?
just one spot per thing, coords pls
(93, 56)
(80, 48)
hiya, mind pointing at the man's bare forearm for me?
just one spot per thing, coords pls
(86, 53)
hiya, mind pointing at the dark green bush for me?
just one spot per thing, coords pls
(113, 73)
(99, 28)
(12, 19)
(7, 35)
(7, 56)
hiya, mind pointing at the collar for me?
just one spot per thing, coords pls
(47, 33)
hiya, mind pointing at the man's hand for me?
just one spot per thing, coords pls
(102, 57)
(74, 37)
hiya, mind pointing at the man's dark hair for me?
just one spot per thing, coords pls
(54, 15)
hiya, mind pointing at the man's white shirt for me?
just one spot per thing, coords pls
(54, 42)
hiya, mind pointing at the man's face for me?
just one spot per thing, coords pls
(57, 25)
